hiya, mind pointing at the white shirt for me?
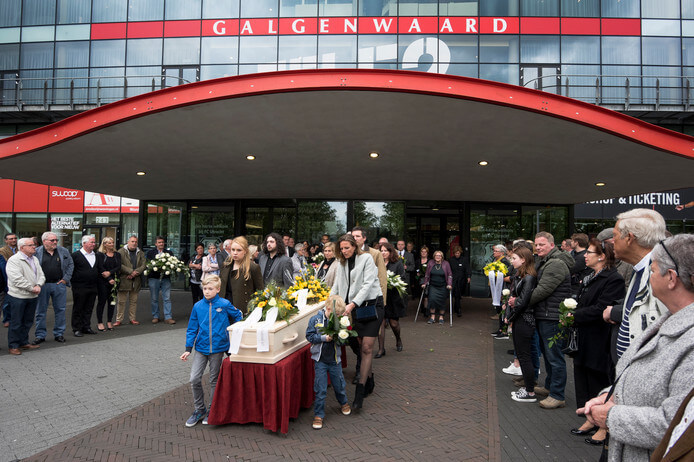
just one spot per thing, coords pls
(91, 257)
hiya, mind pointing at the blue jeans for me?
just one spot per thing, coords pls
(197, 369)
(58, 293)
(22, 318)
(165, 286)
(320, 385)
(555, 364)
(5, 307)
(535, 353)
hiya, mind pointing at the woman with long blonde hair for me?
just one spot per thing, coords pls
(108, 262)
(240, 275)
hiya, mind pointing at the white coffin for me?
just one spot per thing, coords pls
(284, 337)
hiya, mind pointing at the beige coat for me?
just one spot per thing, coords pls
(21, 277)
(382, 271)
(126, 267)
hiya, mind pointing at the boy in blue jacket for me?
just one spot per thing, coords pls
(207, 332)
(327, 361)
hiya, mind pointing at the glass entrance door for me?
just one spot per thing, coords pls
(101, 232)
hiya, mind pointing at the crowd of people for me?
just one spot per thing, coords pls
(630, 291)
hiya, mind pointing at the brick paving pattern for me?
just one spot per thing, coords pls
(443, 397)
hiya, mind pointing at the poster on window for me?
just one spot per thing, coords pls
(101, 203)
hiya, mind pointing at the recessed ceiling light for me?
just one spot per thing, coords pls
(373, 155)
(599, 184)
(435, 210)
(141, 173)
(483, 163)
(250, 157)
(193, 206)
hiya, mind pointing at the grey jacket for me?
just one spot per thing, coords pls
(66, 263)
(659, 374)
(281, 271)
(359, 285)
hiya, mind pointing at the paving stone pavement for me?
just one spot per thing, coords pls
(123, 395)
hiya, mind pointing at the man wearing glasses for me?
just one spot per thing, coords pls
(57, 266)
(636, 233)
(24, 280)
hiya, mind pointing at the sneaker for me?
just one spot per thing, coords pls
(551, 403)
(542, 391)
(317, 423)
(501, 336)
(346, 410)
(195, 418)
(512, 369)
(204, 421)
(441, 321)
(522, 396)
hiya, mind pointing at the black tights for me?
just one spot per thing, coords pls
(395, 327)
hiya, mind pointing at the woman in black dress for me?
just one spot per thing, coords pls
(108, 263)
(421, 265)
(592, 364)
(395, 304)
(439, 278)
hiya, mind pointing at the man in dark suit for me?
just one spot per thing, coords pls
(408, 257)
(288, 245)
(275, 265)
(84, 279)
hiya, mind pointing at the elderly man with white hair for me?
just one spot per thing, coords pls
(656, 372)
(84, 291)
(57, 266)
(635, 234)
(24, 280)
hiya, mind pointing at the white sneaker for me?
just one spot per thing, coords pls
(522, 396)
(512, 370)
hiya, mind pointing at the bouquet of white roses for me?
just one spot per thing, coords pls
(566, 320)
(319, 258)
(163, 265)
(338, 327)
(396, 282)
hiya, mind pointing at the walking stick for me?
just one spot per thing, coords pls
(450, 301)
(419, 306)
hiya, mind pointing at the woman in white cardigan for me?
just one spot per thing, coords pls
(356, 280)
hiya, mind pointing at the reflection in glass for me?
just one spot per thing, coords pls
(9, 56)
(660, 27)
(666, 84)
(337, 48)
(73, 32)
(463, 48)
(418, 7)
(380, 219)
(660, 8)
(142, 52)
(621, 50)
(211, 227)
(458, 7)
(63, 78)
(298, 8)
(620, 8)
(37, 55)
(687, 9)
(687, 52)
(337, 7)
(464, 70)
(108, 86)
(581, 81)
(10, 13)
(257, 224)
(108, 53)
(140, 79)
(580, 49)
(322, 217)
(30, 224)
(297, 51)
(284, 220)
(499, 8)
(109, 10)
(539, 49)
(539, 7)
(74, 11)
(613, 89)
(182, 50)
(35, 12)
(146, 10)
(258, 50)
(378, 49)
(506, 73)
(664, 51)
(220, 50)
(38, 34)
(378, 8)
(496, 49)
(71, 54)
(580, 8)
(213, 9)
(183, 9)
(259, 8)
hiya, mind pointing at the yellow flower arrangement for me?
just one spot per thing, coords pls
(273, 296)
(495, 266)
(317, 290)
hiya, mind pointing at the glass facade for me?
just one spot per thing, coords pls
(521, 42)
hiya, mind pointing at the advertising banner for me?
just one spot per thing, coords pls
(101, 203)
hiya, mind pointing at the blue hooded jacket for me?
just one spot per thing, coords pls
(207, 326)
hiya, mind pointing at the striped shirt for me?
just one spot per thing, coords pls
(623, 339)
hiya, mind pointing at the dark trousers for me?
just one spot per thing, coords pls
(105, 298)
(458, 291)
(21, 319)
(82, 307)
(589, 382)
(196, 290)
(522, 343)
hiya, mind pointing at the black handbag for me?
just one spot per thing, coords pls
(571, 348)
(365, 313)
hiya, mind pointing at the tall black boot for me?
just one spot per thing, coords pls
(369, 385)
(358, 397)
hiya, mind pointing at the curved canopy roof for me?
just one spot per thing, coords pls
(312, 131)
